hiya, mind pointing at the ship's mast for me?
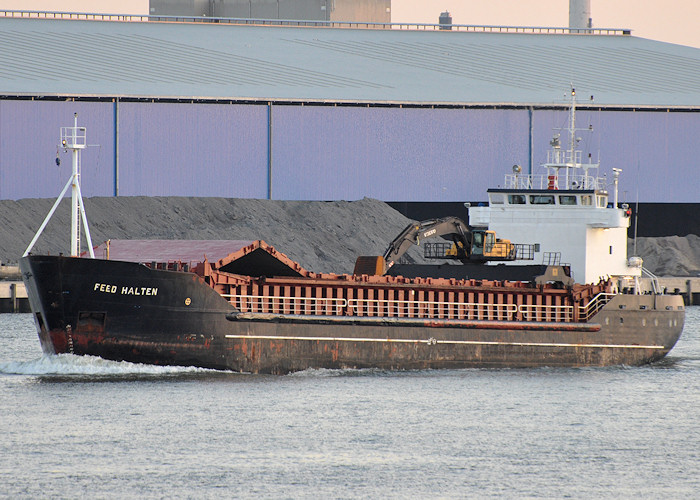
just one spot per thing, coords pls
(73, 138)
(572, 136)
(577, 174)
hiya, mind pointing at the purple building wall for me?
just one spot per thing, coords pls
(405, 154)
(326, 152)
(192, 150)
(657, 151)
(29, 137)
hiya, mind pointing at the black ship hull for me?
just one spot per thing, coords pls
(127, 311)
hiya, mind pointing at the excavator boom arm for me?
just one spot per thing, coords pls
(479, 245)
(432, 228)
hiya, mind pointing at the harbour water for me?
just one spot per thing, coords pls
(75, 427)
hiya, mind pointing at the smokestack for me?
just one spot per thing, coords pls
(580, 14)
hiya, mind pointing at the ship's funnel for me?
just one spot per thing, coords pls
(580, 14)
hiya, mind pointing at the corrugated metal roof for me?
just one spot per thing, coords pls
(215, 61)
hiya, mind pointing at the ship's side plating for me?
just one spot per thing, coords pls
(625, 337)
(126, 311)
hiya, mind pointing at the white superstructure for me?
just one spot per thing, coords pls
(566, 214)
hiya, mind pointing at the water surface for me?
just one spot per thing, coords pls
(84, 427)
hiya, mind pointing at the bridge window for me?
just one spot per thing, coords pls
(567, 200)
(516, 199)
(542, 199)
(497, 199)
(586, 199)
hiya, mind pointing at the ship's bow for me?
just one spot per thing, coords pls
(42, 279)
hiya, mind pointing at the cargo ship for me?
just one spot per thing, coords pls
(245, 306)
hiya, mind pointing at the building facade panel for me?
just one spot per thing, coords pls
(405, 154)
(657, 151)
(30, 136)
(170, 149)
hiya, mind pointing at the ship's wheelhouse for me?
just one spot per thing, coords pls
(532, 197)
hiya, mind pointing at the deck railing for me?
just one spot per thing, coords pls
(318, 306)
(432, 310)
(535, 181)
(422, 309)
(587, 311)
(533, 312)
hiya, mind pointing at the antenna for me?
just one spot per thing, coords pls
(73, 138)
(636, 211)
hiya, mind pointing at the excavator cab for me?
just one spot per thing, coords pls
(477, 243)
(486, 246)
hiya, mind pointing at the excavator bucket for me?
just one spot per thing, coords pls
(372, 265)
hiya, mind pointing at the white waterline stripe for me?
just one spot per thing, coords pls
(435, 341)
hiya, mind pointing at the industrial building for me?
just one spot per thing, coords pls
(373, 11)
(218, 107)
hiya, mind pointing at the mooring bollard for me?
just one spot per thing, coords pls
(13, 297)
(689, 288)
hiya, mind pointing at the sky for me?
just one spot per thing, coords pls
(673, 21)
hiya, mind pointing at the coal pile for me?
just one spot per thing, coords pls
(321, 236)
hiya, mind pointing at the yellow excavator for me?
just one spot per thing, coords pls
(468, 245)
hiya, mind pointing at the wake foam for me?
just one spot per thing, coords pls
(344, 372)
(69, 364)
